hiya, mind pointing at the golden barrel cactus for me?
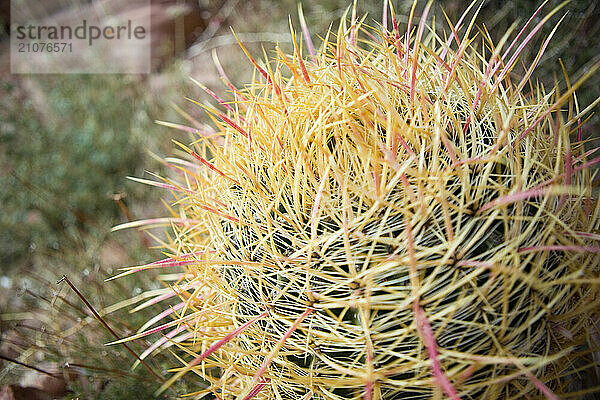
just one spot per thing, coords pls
(393, 216)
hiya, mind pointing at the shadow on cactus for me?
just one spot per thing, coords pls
(396, 215)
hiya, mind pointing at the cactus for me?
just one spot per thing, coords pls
(394, 216)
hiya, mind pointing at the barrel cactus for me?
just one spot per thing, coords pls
(391, 216)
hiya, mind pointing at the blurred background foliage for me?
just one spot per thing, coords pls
(67, 151)
(67, 143)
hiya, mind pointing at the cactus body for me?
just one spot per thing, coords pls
(392, 217)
